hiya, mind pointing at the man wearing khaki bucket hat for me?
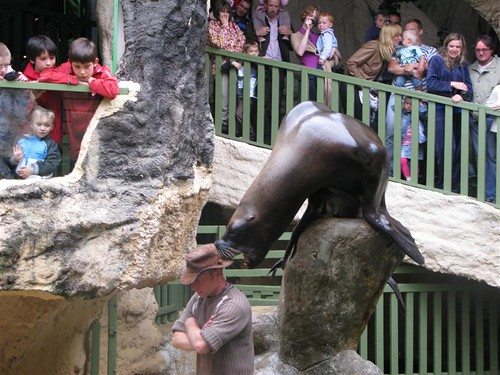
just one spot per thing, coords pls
(217, 321)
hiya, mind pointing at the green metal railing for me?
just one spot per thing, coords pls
(95, 349)
(448, 327)
(51, 87)
(344, 88)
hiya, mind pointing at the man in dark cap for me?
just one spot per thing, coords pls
(217, 321)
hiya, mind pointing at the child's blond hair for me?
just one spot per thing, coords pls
(4, 51)
(250, 43)
(43, 112)
(327, 15)
(412, 35)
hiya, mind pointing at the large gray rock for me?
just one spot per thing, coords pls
(330, 289)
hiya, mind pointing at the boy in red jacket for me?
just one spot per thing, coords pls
(41, 52)
(82, 69)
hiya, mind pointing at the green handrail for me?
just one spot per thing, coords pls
(296, 89)
(51, 87)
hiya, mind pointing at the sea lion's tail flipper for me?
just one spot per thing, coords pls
(385, 223)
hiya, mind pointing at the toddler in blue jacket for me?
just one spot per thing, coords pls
(36, 155)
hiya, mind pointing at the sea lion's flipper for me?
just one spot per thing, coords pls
(394, 286)
(385, 223)
(315, 210)
(274, 268)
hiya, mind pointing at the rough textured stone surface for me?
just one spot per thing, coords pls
(123, 218)
(345, 363)
(128, 212)
(44, 334)
(139, 340)
(456, 234)
(266, 330)
(331, 287)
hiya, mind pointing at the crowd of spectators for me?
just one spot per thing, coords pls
(393, 53)
(36, 139)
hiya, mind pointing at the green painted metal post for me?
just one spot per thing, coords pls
(464, 153)
(112, 333)
(96, 347)
(422, 333)
(379, 334)
(115, 36)
(479, 329)
(452, 334)
(394, 335)
(437, 332)
(409, 331)
(493, 334)
(465, 334)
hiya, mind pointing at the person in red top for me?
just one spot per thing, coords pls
(41, 52)
(82, 69)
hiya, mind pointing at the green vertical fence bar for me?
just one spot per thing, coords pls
(452, 335)
(479, 333)
(396, 139)
(409, 333)
(493, 313)
(114, 62)
(366, 106)
(218, 95)
(448, 135)
(275, 103)
(464, 152)
(382, 114)
(363, 343)
(350, 93)
(112, 334)
(394, 335)
(335, 96)
(231, 91)
(431, 140)
(96, 348)
(415, 145)
(290, 82)
(465, 328)
(379, 335)
(165, 296)
(157, 291)
(320, 90)
(304, 86)
(481, 157)
(261, 102)
(437, 321)
(247, 70)
(422, 333)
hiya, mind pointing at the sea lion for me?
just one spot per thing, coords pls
(333, 160)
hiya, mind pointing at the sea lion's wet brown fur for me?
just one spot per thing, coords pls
(336, 162)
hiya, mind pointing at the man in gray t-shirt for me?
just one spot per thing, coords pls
(217, 321)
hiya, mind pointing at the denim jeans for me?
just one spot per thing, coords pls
(491, 160)
(455, 150)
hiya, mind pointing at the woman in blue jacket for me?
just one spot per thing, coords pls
(448, 75)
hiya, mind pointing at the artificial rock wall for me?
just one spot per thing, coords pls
(125, 216)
